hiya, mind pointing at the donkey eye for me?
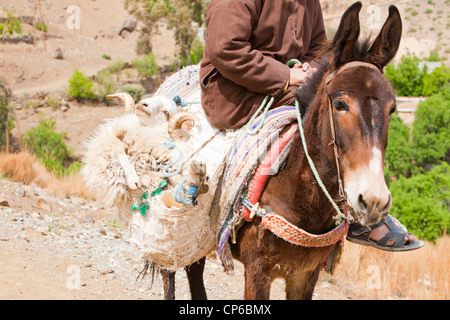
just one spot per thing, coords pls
(394, 109)
(340, 105)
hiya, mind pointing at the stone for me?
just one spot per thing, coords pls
(4, 202)
(44, 205)
(58, 54)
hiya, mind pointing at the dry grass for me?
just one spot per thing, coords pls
(422, 274)
(23, 167)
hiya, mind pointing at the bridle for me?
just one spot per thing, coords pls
(329, 78)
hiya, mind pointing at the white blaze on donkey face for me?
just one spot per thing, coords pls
(367, 191)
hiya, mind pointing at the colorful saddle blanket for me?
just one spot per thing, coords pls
(244, 158)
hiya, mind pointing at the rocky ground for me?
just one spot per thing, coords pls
(55, 248)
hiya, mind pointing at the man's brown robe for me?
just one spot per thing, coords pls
(247, 45)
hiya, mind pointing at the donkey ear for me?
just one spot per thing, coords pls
(386, 44)
(346, 36)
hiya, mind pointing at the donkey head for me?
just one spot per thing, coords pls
(361, 102)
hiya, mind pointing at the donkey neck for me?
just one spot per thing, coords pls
(303, 203)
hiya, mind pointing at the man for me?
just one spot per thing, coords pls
(247, 45)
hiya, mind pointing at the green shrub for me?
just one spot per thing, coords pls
(406, 78)
(398, 157)
(80, 86)
(105, 84)
(421, 202)
(434, 55)
(436, 80)
(196, 54)
(38, 26)
(135, 91)
(117, 66)
(431, 131)
(12, 25)
(49, 146)
(106, 56)
(6, 121)
(147, 66)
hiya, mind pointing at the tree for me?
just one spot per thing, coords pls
(434, 81)
(398, 157)
(431, 131)
(6, 122)
(421, 202)
(181, 15)
(407, 78)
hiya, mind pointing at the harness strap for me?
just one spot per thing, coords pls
(292, 234)
(348, 66)
(336, 153)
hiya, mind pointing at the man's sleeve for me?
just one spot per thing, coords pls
(229, 30)
(318, 35)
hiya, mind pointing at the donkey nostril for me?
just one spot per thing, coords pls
(388, 205)
(362, 204)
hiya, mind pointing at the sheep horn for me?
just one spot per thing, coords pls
(177, 126)
(126, 98)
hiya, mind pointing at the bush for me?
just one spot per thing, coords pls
(436, 80)
(407, 79)
(419, 164)
(106, 84)
(6, 121)
(431, 131)
(196, 54)
(147, 66)
(398, 157)
(80, 86)
(12, 25)
(421, 202)
(117, 66)
(39, 26)
(134, 90)
(49, 146)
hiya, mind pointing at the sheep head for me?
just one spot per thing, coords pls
(154, 111)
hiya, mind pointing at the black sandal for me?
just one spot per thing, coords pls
(360, 235)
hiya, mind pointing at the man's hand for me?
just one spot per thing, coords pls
(300, 72)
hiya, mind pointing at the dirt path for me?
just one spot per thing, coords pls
(53, 248)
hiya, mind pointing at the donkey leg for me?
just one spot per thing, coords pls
(195, 276)
(257, 284)
(169, 284)
(300, 286)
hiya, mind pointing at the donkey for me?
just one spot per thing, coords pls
(347, 100)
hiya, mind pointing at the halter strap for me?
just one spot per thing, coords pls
(349, 65)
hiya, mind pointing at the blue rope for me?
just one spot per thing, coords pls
(179, 190)
(171, 145)
(179, 101)
(250, 206)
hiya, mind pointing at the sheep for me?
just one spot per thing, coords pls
(126, 153)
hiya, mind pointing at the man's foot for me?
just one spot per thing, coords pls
(389, 235)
